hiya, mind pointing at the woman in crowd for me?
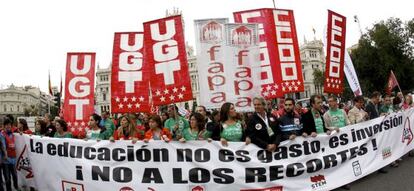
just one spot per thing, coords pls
(62, 129)
(408, 102)
(156, 131)
(127, 130)
(96, 132)
(164, 117)
(196, 130)
(40, 128)
(22, 127)
(213, 127)
(231, 129)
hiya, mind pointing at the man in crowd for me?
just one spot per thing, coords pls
(176, 124)
(387, 107)
(335, 118)
(313, 122)
(262, 127)
(290, 123)
(202, 110)
(357, 114)
(373, 106)
(107, 123)
(51, 129)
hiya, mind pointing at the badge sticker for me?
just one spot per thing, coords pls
(258, 126)
(297, 122)
(238, 125)
(272, 119)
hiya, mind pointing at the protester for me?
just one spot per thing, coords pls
(202, 110)
(357, 114)
(408, 102)
(290, 123)
(107, 123)
(387, 107)
(263, 128)
(213, 127)
(196, 130)
(22, 127)
(373, 106)
(156, 131)
(96, 132)
(51, 129)
(3, 159)
(313, 122)
(231, 130)
(164, 117)
(335, 118)
(127, 130)
(62, 129)
(10, 162)
(176, 124)
(40, 128)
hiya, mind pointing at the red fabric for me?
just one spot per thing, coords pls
(335, 54)
(280, 61)
(130, 75)
(165, 50)
(10, 145)
(392, 83)
(149, 134)
(137, 135)
(79, 89)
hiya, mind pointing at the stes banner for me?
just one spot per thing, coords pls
(325, 162)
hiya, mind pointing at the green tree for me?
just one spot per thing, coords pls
(387, 46)
(318, 79)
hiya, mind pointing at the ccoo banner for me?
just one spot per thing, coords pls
(279, 50)
(304, 164)
(79, 91)
(335, 53)
(165, 52)
(210, 38)
(130, 76)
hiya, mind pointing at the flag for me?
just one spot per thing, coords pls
(50, 86)
(61, 85)
(392, 83)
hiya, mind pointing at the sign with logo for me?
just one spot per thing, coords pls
(357, 168)
(71, 186)
(386, 152)
(79, 90)
(318, 181)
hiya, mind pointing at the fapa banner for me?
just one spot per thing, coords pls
(79, 90)
(320, 163)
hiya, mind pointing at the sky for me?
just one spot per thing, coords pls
(36, 35)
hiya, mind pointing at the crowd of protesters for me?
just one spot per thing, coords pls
(266, 127)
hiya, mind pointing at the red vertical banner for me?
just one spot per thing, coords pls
(79, 90)
(166, 54)
(279, 50)
(130, 75)
(335, 53)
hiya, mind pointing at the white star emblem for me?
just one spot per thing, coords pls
(299, 83)
(329, 85)
(183, 88)
(134, 99)
(283, 88)
(337, 86)
(158, 93)
(327, 79)
(137, 105)
(166, 91)
(180, 96)
(72, 129)
(290, 88)
(287, 83)
(273, 92)
(125, 99)
(332, 80)
(172, 97)
(83, 123)
(80, 129)
(69, 124)
(296, 88)
(336, 81)
(265, 94)
(175, 90)
(339, 81)
(162, 98)
(141, 99)
(117, 99)
(276, 86)
(76, 123)
(268, 88)
(129, 105)
(121, 106)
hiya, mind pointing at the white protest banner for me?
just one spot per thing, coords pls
(351, 75)
(210, 62)
(23, 166)
(321, 163)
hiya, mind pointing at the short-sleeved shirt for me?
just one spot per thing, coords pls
(232, 132)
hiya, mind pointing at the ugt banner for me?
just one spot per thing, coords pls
(165, 52)
(279, 50)
(335, 53)
(210, 38)
(130, 75)
(304, 164)
(79, 90)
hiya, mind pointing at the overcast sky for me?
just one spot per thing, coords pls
(36, 35)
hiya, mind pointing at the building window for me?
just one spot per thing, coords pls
(18, 108)
(5, 108)
(104, 97)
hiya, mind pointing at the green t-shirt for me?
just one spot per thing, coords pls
(233, 132)
(337, 118)
(189, 135)
(93, 134)
(182, 124)
(66, 135)
(386, 109)
(318, 123)
(110, 129)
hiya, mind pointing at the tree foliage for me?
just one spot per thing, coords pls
(387, 46)
(318, 80)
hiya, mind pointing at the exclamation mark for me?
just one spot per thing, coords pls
(79, 174)
(374, 144)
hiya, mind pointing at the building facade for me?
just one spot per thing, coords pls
(313, 58)
(24, 101)
(103, 90)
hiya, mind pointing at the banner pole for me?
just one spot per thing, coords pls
(274, 4)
